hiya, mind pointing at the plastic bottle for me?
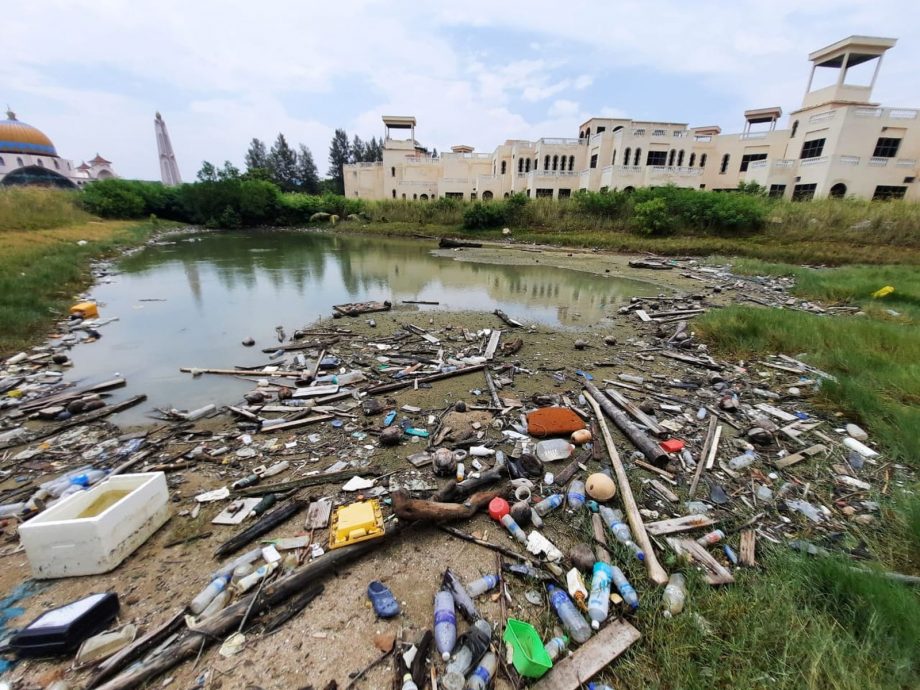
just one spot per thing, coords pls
(739, 462)
(577, 589)
(246, 583)
(711, 538)
(573, 622)
(514, 528)
(554, 449)
(461, 472)
(217, 604)
(549, 503)
(482, 585)
(575, 496)
(701, 413)
(631, 378)
(408, 683)
(675, 595)
(556, 646)
(445, 623)
(11, 509)
(599, 602)
(482, 676)
(472, 645)
(599, 686)
(462, 599)
(620, 530)
(227, 569)
(350, 377)
(205, 596)
(481, 452)
(624, 588)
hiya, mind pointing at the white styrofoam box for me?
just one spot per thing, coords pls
(58, 543)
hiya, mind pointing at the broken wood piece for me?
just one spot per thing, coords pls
(318, 514)
(643, 315)
(664, 491)
(590, 658)
(296, 423)
(679, 524)
(263, 525)
(746, 551)
(507, 319)
(494, 337)
(776, 412)
(303, 482)
(653, 452)
(406, 383)
(716, 573)
(411, 509)
(600, 538)
(713, 448)
(790, 460)
(634, 410)
(688, 359)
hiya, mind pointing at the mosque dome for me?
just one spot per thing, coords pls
(18, 137)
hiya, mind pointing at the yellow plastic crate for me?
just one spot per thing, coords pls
(356, 522)
(88, 310)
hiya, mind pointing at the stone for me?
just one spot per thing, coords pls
(391, 436)
(385, 641)
(610, 340)
(581, 344)
(248, 342)
(759, 436)
(857, 433)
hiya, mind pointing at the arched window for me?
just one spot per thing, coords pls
(838, 191)
(415, 197)
(56, 166)
(562, 164)
(626, 156)
(504, 166)
(41, 163)
(692, 159)
(2, 162)
(19, 162)
(571, 163)
(613, 161)
(423, 197)
(394, 193)
(521, 165)
(702, 160)
(487, 195)
(555, 162)
(637, 157)
(535, 164)
(671, 157)
(588, 133)
(795, 127)
(724, 165)
(680, 158)
(546, 162)
(527, 165)
(393, 172)
(404, 196)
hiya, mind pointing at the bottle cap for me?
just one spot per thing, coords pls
(596, 625)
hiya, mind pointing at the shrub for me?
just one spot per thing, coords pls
(653, 217)
(484, 215)
(259, 201)
(113, 199)
(601, 204)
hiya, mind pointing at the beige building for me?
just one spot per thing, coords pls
(838, 143)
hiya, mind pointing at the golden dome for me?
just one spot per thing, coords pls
(18, 137)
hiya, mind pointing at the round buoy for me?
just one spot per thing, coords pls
(600, 487)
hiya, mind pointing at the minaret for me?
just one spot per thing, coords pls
(169, 170)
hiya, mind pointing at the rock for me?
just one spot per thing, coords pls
(391, 436)
(254, 397)
(60, 359)
(863, 519)
(600, 487)
(580, 437)
(857, 433)
(320, 217)
(728, 403)
(460, 406)
(759, 436)
(520, 511)
(372, 406)
(794, 391)
(610, 340)
(385, 641)
(582, 557)
(248, 342)
(531, 465)
(50, 412)
(581, 344)
(444, 463)
(647, 407)
(355, 216)
(717, 494)
(76, 406)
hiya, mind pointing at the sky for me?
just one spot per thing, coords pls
(91, 74)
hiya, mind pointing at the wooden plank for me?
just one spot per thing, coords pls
(679, 524)
(665, 492)
(701, 463)
(632, 409)
(240, 372)
(643, 315)
(716, 573)
(748, 541)
(790, 460)
(687, 359)
(318, 514)
(714, 448)
(493, 344)
(776, 412)
(590, 658)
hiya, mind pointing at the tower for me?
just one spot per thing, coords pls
(169, 169)
(842, 56)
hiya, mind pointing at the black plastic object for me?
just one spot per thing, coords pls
(61, 630)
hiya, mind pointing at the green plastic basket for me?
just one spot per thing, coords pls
(530, 658)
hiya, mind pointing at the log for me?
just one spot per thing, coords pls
(716, 573)
(67, 395)
(634, 410)
(507, 319)
(656, 573)
(263, 525)
(398, 385)
(110, 666)
(237, 372)
(498, 548)
(695, 361)
(493, 391)
(296, 423)
(651, 450)
(679, 524)
(215, 628)
(448, 243)
(410, 509)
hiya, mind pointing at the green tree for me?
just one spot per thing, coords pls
(208, 172)
(339, 155)
(282, 164)
(307, 174)
(358, 150)
(228, 172)
(257, 155)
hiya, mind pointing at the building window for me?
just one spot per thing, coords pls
(566, 193)
(504, 167)
(724, 165)
(599, 130)
(56, 166)
(886, 147)
(795, 127)
(658, 133)
(521, 165)
(680, 158)
(404, 197)
(487, 195)
(626, 156)
(838, 191)
(639, 132)
(555, 162)
(527, 165)
(656, 158)
(544, 193)
(535, 162)
(702, 160)
(594, 161)
(884, 192)
(19, 162)
(748, 157)
(813, 148)
(546, 162)
(393, 172)
(692, 159)
(777, 191)
(394, 193)
(637, 157)
(613, 161)
(415, 197)
(571, 163)
(454, 195)
(671, 157)
(41, 163)
(804, 192)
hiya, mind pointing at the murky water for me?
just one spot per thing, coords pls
(192, 302)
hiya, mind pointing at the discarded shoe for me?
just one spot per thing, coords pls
(382, 599)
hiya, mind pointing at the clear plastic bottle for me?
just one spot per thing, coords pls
(739, 462)
(554, 449)
(217, 604)
(445, 623)
(482, 676)
(205, 596)
(575, 496)
(408, 683)
(711, 538)
(556, 646)
(472, 646)
(624, 588)
(572, 620)
(599, 601)
(620, 530)
(577, 589)
(246, 583)
(514, 528)
(226, 570)
(675, 595)
(461, 472)
(549, 503)
(462, 599)
(482, 585)
(599, 686)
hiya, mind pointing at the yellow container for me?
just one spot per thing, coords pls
(87, 310)
(356, 522)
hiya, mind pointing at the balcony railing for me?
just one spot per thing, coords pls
(815, 160)
(455, 180)
(372, 164)
(906, 162)
(466, 155)
(558, 141)
(702, 137)
(682, 171)
(877, 162)
(753, 135)
(757, 165)
(628, 169)
(821, 117)
(784, 163)
(892, 113)
(848, 160)
(418, 183)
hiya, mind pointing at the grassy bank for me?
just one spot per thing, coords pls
(41, 270)
(32, 208)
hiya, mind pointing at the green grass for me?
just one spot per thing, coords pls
(33, 208)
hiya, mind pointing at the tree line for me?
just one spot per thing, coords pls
(294, 169)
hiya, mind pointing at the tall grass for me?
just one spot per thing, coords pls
(33, 208)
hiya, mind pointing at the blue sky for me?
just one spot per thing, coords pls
(92, 73)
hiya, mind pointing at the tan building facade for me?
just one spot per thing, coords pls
(838, 143)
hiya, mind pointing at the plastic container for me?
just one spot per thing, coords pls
(229, 568)
(482, 676)
(482, 585)
(555, 647)
(85, 310)
(498, 508)
(529, 657)
(445, 623)
(93, 531)
(549, 503)
(675, 595)
(599, 602)
(205, 596)
(575, 496)
(576, 587)
(554, 449)
(63, 629)
(573, 622)
(408, 683)
(462, 600)
(739, 462)
(711, 538)
(620, 530)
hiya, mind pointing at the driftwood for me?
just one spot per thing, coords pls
(406, 383)
(507, 319)
(651, 450)
(358, 308)
(653, 265)
(493, 391)
(265, 524)
(448, 243)
(215, 628)
(513, 347)
(498, 548)
(456, 490)
(411, 509)
(634, 410)
(313, 480)
(68, 395)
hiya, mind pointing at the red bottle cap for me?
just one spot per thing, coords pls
(498, 508)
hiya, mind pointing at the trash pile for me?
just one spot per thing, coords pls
(580, 459)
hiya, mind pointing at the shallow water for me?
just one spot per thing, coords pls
(191, 303)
